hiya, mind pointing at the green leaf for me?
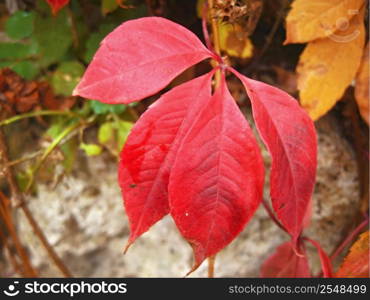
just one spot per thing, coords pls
(20, 25)
(106, 132)
(94, 40)
(22, 179)
(100, 108)
(108, 6)
(124, 128)
(66, 77)
(91, 149)
(26, 69)
(10, 51)
(52, 33)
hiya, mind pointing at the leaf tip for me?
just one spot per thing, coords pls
(76, 92)
(127, 246)
(193, 268)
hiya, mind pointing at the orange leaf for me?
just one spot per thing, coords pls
(356, 264)
(314, 19)
(328, 66)
(362, 86)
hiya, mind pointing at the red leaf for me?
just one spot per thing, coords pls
(138, 59)
(285, 263)
(326, 266)
(289, 135)
(151, 148)
(217, 179)
(56, 5)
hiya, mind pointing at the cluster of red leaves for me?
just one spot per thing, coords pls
(19, 96)
(192, 153)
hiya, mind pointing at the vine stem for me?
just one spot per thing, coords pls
(216, 41)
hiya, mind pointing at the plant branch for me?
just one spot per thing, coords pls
(5, 215)
(13, 260)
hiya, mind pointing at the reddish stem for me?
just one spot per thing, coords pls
(349, 238)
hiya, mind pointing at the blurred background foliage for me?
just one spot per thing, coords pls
(43, 55)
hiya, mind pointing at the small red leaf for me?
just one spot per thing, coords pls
(326, 266)
(285, 263)
(56, 5)
(151, 148)
(138, 59)
(289, 135)
(217, 179)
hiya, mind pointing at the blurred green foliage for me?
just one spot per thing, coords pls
(40, 46)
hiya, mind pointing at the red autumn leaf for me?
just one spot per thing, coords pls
(326, 266)
(289, 135)
(217, 179)
(285, 263)
(56, 5)
(192, 153)
(151, 148)
(356, 263)
(138, 59)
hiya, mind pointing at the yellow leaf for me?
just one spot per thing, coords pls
(356, 264)
(234, 40)
(313, 19)
(362, 86)
(327, 66)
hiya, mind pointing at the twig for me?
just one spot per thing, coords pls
(6, 217)
(17, 268)
(24, 158)
(37, 230)
(19, 198)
